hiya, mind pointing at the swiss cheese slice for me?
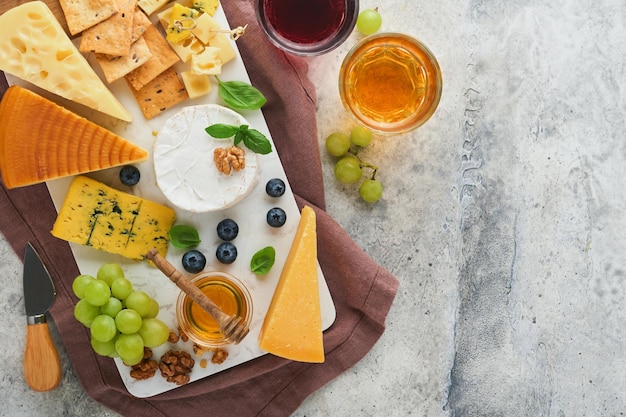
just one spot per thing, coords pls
(96, 215)
(292, 327)
(40, 140)
(34, 47)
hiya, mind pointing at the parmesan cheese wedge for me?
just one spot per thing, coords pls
(292, 328)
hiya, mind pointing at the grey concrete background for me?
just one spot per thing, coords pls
(502, 218)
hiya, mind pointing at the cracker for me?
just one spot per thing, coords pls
(112, 36)
(83, 14)
(115, 68)
(140, 24)
(160, 94)
(163, 57)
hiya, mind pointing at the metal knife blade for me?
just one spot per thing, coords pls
(42, 366)
(39, 291)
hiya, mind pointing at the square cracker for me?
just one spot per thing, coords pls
(83, 14)
(115, 68)
(163, 57)
(140, 24)
(112, 36)
(160, 94)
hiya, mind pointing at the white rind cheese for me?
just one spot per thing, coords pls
(34, 47)
(184, 166)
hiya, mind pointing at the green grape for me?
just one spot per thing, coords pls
(154, 309)
(337, 144)
(103, 328)
(112, 307)
(110, 272)
(130, 348)
(121, 288)
(348, 170)
(103, 348)
(140, 302)
(369, 21)
(128, 321)
(85, 312)
(97, 293)
(361, 136)
(80, 283)
(154, 332)
(371, 190)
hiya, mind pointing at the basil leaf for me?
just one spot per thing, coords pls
(263, 260)
(240, 95)
(183, 236)
(240, 136)
(222, 131)
(257, 142)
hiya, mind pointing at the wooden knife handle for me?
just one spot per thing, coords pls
(42, 366)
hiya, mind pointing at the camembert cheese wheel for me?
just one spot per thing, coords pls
(183, 161)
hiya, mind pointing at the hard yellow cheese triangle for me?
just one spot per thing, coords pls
(34, 47)
(292, 327)
(40, 140)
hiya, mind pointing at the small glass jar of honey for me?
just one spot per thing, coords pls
(228, 293)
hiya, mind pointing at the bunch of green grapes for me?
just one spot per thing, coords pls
(122, 321)
(349, 167)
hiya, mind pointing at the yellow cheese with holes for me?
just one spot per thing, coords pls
(207, 62)
(96, 215)
(34, 47)
(226, 50)
(292, 327)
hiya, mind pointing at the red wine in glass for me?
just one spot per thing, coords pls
(305, 21)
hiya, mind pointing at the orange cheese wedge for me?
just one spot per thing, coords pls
(292, 327)
(40, 140)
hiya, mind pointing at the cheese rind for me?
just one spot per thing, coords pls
(94, 214)
(292, 327)
(34, 47)
(40, 140)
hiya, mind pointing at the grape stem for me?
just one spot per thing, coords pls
(365, 164)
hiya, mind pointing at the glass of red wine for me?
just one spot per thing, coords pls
(307, 27)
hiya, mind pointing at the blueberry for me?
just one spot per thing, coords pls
(194, 261)
(227, 229)
(275, 187)
(276, 217)
(226, 253)
(129, 175)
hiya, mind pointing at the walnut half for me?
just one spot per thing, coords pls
(232, 158)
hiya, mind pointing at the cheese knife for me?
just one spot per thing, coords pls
(42, 366)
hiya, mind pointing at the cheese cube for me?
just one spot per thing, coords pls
(206, 28)
(94, 214)
(196, 84)
(187, 48)
(292, 327)
(182, 20)
(207, 62)
(151, 6)
(207, 6)
(227, 52)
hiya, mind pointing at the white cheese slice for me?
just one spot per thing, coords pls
(184, 166)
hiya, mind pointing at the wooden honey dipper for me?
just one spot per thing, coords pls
(234, 328)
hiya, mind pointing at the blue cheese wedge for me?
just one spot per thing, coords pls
(184, 163)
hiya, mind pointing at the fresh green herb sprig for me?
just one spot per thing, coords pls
(252, 138)
(183, 236)
(240, 95)
(263, 260)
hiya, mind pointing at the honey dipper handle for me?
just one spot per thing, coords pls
(188, 287)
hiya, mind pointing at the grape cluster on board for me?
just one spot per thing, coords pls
(349, 168)
(121, 320)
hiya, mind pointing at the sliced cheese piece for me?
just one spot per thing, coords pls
(207, 62)
(223, 42)
(151, 6)
(96, 215)
(184, 166)
(206, 28)
(292, 328)
(34, 47)
(40, 140)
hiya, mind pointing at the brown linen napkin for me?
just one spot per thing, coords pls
(267, 386)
